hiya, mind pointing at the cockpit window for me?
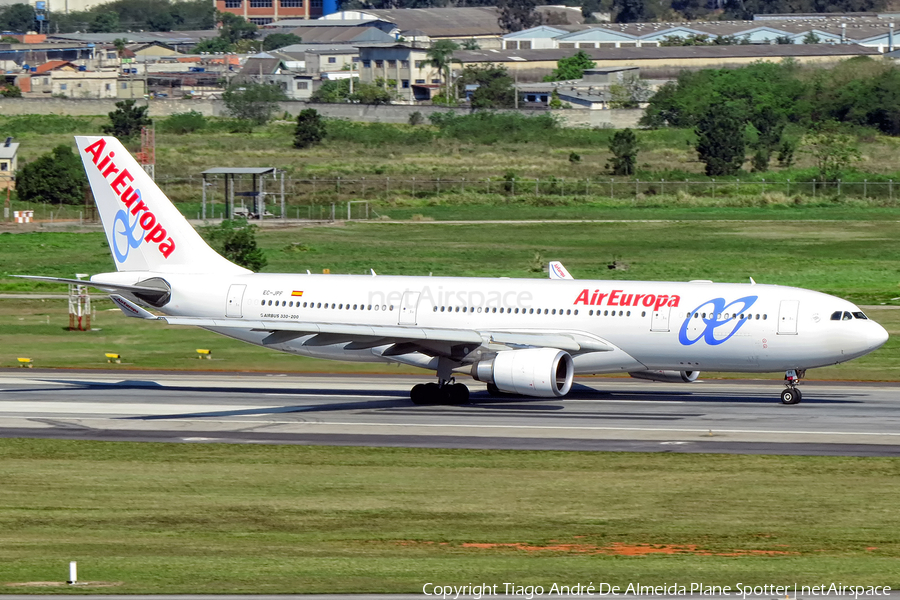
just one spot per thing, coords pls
(860, 315)
(836, 315)
(847, 316)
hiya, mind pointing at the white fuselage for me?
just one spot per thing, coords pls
(696, 326)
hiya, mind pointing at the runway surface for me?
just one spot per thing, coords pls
(852, 419)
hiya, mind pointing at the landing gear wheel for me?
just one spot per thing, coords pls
(457, 393)
(417, 394)
(791, 395)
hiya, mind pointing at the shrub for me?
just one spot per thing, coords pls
(182, 123)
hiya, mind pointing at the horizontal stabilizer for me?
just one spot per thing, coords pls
(130, 309)
(106, 287)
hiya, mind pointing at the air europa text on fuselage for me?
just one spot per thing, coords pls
(130, 197)
(620, 298)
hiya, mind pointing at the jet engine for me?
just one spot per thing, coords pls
(667, 376)
(541, 372)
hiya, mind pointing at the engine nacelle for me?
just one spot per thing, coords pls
(667, 376)
(541, 372)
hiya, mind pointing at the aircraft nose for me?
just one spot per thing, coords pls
(878, 335)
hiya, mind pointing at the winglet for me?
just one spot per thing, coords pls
(558, 271)
(752, 282)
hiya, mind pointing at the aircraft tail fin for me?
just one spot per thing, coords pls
(144, 229)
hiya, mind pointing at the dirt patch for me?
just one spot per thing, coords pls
(614, 549)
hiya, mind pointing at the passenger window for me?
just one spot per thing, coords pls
(569, 311)
(860, 315)
(847, 316)
(576, 312)
(644, 314)
(263, 302)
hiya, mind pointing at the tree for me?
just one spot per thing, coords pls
(832, 151)
(105, 23)
(213, 45)
(572, 67)
(720, 139)
(254, 103)
(8, 39)
(236, 241)
(630, 11)
(769, 124)
(55, 177)
(126, 121)
(162, 21)
(631, 93)
(274, 41)
(624, 148)
(235, 28)
(470, 45)
(440, 56)
(516, 15)
(120, 44)
(495, 86)
(310, 129)
(784, 40)
(812, 38)
(17, 17)
(10, 91)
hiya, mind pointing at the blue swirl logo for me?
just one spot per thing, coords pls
(123, 234)
(717, 328)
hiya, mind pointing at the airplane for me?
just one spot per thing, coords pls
(521, 337)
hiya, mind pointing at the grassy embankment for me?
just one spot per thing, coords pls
(853, 259)
(285, 519)
(377, 161)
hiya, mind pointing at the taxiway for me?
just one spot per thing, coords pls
(857, 419)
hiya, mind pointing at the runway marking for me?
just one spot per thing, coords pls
(553, 427)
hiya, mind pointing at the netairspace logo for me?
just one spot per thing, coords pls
(739, 590)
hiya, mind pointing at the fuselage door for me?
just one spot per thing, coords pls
(660, 319)
(235, 300)
(787, 317)
(408, 305)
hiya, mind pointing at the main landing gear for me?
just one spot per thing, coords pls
(443, 392)
(792, 395)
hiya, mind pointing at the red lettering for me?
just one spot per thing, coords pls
(600, 298)
(661, 301)
(157, 235)
(649, 299)
(674, 300)
(594, 298)
(582, 297)
(138, 207)
(626, 300)
(637, 298)
(119, 181)
(96, 149)
(613, 297)
(104, 162)
(167, 247)
(112, 168)
(129, 196)
(148, 220)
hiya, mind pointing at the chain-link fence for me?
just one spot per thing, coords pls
(310, 197)
(329, 198)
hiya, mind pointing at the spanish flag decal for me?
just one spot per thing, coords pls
(296, 293)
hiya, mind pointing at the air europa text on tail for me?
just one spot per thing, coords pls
(130, 197)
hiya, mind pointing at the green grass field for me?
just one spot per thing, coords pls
(285, 519)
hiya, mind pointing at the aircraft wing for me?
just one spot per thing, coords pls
(429, 340)
(106, 287)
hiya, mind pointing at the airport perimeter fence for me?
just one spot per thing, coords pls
(328, 198)
(312, 197)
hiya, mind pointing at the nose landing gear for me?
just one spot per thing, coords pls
(792, 395)
(443, 392)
